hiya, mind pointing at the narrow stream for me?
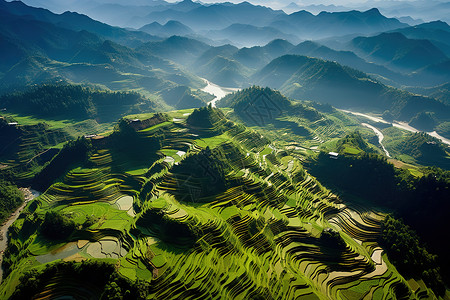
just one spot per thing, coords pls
(29, 195)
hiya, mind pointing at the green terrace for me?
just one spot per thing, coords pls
(211, 210)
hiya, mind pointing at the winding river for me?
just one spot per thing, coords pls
(218, 91)
(29, 195)
(401, 125)
(379, 135)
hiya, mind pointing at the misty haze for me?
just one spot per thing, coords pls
(268, 149)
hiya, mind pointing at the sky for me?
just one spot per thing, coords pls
(306, 2)
(260, 2)
(423, 10)
(346, 3)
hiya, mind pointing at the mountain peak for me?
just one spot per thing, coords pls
(434, 25)
(373, 11)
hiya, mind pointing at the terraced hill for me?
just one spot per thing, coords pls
(302, 127)
(30, 143)
(192, 205)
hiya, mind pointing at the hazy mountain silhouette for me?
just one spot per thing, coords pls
(433, 75)
(397, 51)
(39, 52)
(76, 22)
(257, 57)
(225, 71)
(168, 29)
(179, 49)
(308, 78)
(314, 8)
(24, 36)
(217, 16)
(437, 32)
(307, 26)
(348, 58)
(440, 92)
(249, 35)
(302, 24)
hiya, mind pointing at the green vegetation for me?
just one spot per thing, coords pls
(332, 239)
(74, 102)
(418, 148)
(353, 144)
(10, 199)
(409, 256)
(99, 279)
(307, 78)
(57, 226)
(424, 121)
(241, 99)
(221, 206)
(72, 154)
(205, 117)
(182, 97)
(371, 180)
(168, 197)
(34, 142)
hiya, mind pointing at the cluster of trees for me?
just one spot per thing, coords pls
(353, 140)
(69, 101)
(406, 252)
(424, 121)
(256, 105)
(10, 198)
(333, 239)
(172, 232)
(424, 149)
(205, 117)
(90, 272)
(57, 226)
(182, 97)
(206, 170)
(133, 148)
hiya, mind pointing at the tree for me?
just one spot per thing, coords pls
(57, 226)
(10, 199)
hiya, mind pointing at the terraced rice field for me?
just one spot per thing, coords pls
(212, 212)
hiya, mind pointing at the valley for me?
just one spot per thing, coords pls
(200, 150)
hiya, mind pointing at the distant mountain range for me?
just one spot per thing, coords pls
(436, 32)
(308, 26)
(176, 48)
(397, 51)
(168, 29)
(223, 20)
(76, 22)
(248, 35)
(228, 20)
(37, 51)
(40, 46)
(307, 78)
